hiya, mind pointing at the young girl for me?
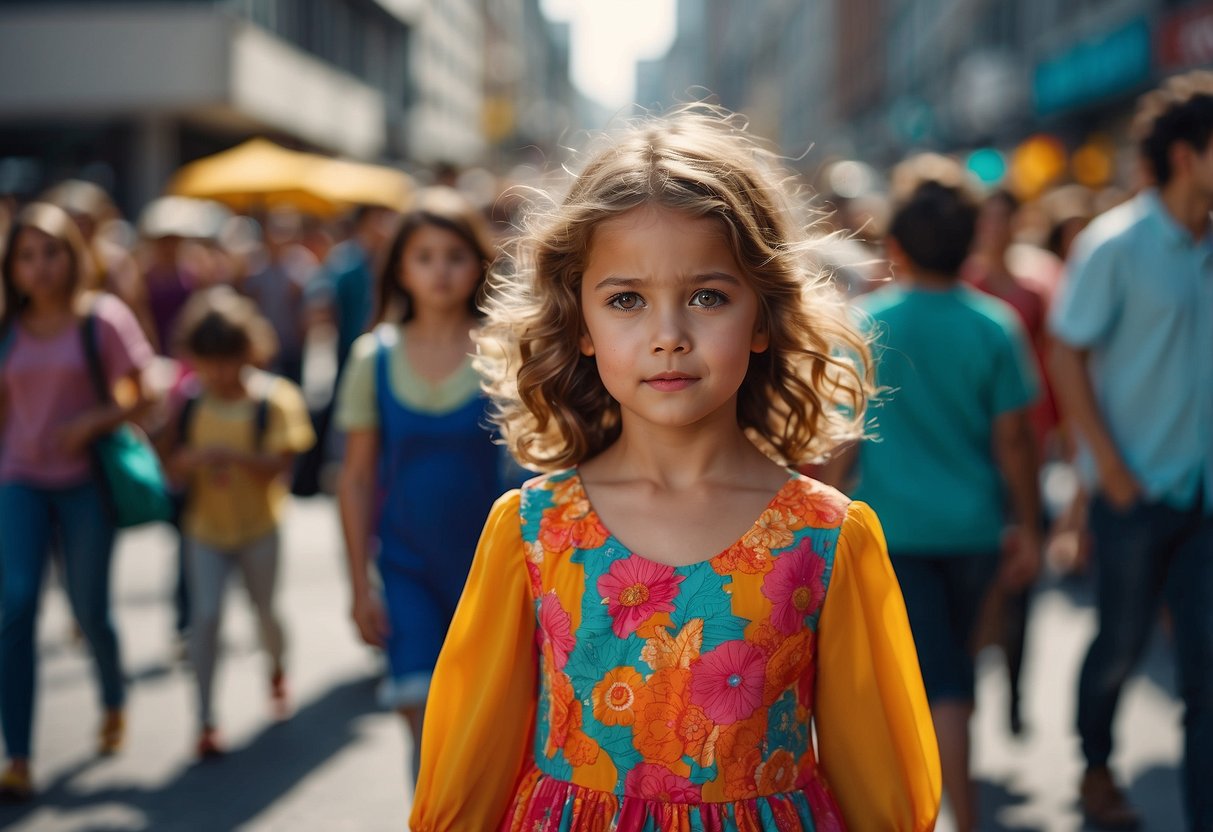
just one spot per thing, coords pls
(652, 632)
(234, 444)
(420, 470)
(51, 415)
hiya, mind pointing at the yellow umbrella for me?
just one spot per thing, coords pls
(256, 175)
(359, 183)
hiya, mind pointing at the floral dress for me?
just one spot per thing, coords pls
(585, 687)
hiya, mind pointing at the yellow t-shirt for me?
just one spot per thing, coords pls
(228, 506)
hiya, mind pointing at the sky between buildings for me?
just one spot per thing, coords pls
(608, 37)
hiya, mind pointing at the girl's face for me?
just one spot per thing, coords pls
(669, 316)
(439, 270)
(222, 377)
(42, 267)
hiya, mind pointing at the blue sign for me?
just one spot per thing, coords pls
(1094, 69)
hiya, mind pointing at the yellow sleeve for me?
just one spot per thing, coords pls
(482, 701)
(874, 729)
(290, 427)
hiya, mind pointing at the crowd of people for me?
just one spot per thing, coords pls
(669, 344)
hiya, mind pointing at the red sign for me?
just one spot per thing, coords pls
(1185, 39)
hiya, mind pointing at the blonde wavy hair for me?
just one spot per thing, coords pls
(800, 399)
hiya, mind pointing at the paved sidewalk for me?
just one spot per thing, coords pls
(337, 764)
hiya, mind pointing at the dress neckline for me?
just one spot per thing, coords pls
(793, 478)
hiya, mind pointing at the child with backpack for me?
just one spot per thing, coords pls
(235, 441)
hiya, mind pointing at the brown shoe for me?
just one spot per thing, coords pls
(112, 733)
(1104, 805)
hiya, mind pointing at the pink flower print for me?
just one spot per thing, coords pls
(634, 589)
(557, 629)
(795, 587)
(654, 782)
(727, 682)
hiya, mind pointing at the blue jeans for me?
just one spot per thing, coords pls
(1144, 555)
(27, 517)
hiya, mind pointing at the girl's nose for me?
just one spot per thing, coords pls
(670, 334)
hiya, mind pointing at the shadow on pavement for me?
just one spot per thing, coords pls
(1155, 792)
(993, 798)
(229, 792)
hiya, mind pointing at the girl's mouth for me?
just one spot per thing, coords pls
(670, 382)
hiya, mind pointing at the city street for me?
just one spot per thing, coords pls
(339, 763)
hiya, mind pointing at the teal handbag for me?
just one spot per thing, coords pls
(127, 466)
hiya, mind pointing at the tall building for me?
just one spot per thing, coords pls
(875, 79)
(125, 91)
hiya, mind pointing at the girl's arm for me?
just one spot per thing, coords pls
(874, 729)
(355, 498)
(130, 400)
(482, 702)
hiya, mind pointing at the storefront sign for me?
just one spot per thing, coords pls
(1185, 39)
(1093, 69)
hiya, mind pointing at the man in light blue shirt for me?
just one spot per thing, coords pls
(1133, 371)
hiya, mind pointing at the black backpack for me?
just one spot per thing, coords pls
(189, 407)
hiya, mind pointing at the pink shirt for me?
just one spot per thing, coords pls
(47, 384)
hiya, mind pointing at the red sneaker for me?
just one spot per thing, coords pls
(280, 701)
(209, 747)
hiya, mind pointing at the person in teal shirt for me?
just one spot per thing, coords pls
(951, 447)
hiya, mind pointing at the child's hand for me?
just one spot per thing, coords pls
(1119, 486)
(187, 459)
(370, 618)
(218, 456)
(74, 436)
(1020, 560)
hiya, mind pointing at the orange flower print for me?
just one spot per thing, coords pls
(655, 731)
(580, 750)
(764, 636)
(814, 505)
(562, 529)
(569, 492)
(771, 532)
(788, 665)
(698, 735)
(560, 714)
(619, 697)
(777, 773)
(739, 754)
(742, 558)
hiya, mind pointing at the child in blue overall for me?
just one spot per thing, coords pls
(421, 470)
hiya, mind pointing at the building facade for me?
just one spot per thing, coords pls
(125, 92)
(875, 79)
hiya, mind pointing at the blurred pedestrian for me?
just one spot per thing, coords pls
(115, 269)
(659, 325)
(343, 289)
(234, 444)
(989, 269)
(421, 470)
(47, 486)
(1133, 368)
(961, 384)
(278, 284)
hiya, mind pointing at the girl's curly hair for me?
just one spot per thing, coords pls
(801, 398)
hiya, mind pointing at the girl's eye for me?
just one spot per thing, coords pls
(625, 301)
(708, 298)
